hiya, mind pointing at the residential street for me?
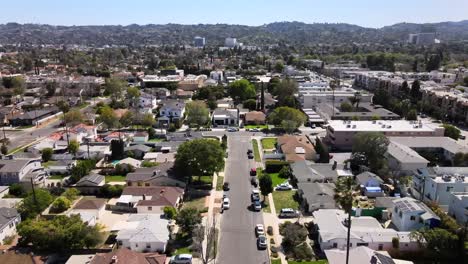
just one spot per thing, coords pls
(237, 241)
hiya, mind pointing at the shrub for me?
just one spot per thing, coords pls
(272, 241)
(71, 194)
(274, 254)
(285, 172)
(274, 166)
(270, 230)
(60, 205)
(274, 249)
(148, 164)
(8, 240)
(170, 212)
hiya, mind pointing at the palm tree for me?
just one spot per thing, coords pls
(345, 190)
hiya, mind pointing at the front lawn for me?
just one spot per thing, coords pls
(183, 250)
(256, 151)
(276, 179)
(285, 199)
(197, 203)
(276, 261)
(321, 261)
(202, 179)
(115, 178)
(256, 126)
(219, 183)
(156, 140)
(268, 143)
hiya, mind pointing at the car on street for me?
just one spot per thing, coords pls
(226, 186)
(312, 126)
(255, 196)
(256, 205)
(285, 186)
(259, 230)
(254, 130)
(249, 151)
(253, 172)
(231, 129)
(254, 181)
(181, 259)
(226, 203)
(261, 242)
(462, 137)
(250, 156)
(288, 213)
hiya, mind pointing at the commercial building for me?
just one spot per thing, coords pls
(199, 42)
(422, 38)
(230, 42)
(340, 134)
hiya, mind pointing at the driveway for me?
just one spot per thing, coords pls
(109, 219)
(237, 237)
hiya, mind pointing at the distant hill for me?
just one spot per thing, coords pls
(287, 32)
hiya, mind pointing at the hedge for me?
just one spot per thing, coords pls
(274, 166)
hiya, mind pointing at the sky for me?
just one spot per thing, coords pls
(367, 13)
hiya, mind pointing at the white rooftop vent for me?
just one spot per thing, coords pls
(300, 150)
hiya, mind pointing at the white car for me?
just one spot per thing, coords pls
(181, 259)
(259, 230)
(226, 203)
(285, 186)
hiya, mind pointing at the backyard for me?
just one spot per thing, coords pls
(115, 178)
(285, 199)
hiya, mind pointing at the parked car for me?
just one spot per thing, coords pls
(250, 155)
(285, 186)
(232, 129)
(249, 151)
(226, 203)
(181, 259)
(253, 172)
(226, 186)
(254, 181)
(313, 126)
(255, 196)
(254, 130)
(259, 230)
(462, 137)
(261, 242)
(288, 213)
(256, 205)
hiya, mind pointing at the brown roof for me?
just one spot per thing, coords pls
(289, 143)
(90, 204)
(160, 195)
(254, 116)
(124, 255)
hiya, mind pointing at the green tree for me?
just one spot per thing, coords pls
(148, 120)
(73, 117)
(17, 190)
(372, 146)
(197, 113)
(346, 107)
(294, 235)
(18, 85)
(293, 118)
(73, 147)
(51, 87)
(114, 88)
(322, 150)
(170, 212)
(266, 184)
(62, 233)
(127, 119)
(284, 92)
(133, 94)
(187, 219)
(32, 205)
(71, 194)
(416, 91)
(285, 172)
(250, 104)
(61, 204)
(451, 131)
(241, 90)
(199, 157)
(436, 239)
(63, 106)
(108, 117)
(81, 169)
(47, 154)
(279, 67)
(412, 115)
(405, 88)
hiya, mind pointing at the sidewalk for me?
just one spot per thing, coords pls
(271, 219)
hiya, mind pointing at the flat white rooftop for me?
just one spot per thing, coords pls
(381, 126)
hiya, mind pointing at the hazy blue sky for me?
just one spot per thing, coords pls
(370, 13)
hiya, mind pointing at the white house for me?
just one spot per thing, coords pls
(89, 209)
(9, 219)
(437, 183)
(365, 231)
(172, 110)
(458, 207)
(225, 117)
(18, 169)
(143, 233)
(147, 101)
(362, 255)
(410, 214)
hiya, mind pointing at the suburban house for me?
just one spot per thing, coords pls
(150, 199)
(161, 175)
(410, 214)
(171, 110)
(296, 148)
(8, 112)
(125, 255)
(362, 255)
(315, 195)
(255, 118)
(130, 162)
(437, 183)
(90, 184)
(138, 151)
(9, 219)
(225, 117)
(143, 233)
(458, 207)
(61, 167)
(21, 170)
(370, 184)
(33, 118)
(141, 136)
(89, 209)
(365, 231)
(147, 101)
(306, 171)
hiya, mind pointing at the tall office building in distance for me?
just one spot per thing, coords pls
(199, 42)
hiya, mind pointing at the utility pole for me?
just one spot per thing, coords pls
(262, 99)
(34, 193)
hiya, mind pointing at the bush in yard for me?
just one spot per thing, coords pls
(272, 241)
(170, 212)
(303, 251)
(274, 254)
(274, 166)
(270, 230)
(71, 194)
(294, 235)
(47, 154)
(60, 205)
(285, 172)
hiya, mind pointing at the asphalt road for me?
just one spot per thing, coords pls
(238, 243)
